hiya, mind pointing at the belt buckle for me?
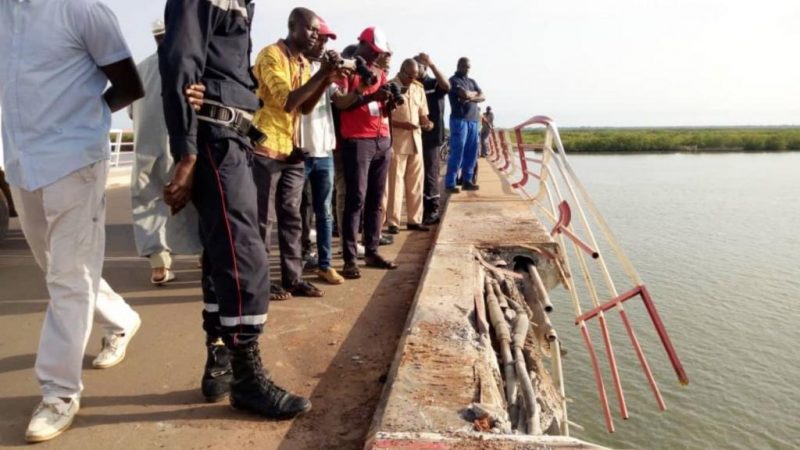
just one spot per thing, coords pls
(227, 122)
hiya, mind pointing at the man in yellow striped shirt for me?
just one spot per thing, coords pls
(286, 90)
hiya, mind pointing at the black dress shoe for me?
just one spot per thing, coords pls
(417, 227)
(470, 187)
(393, 229)
(453, 190)
(432, 220)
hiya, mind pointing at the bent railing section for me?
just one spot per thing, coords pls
(577, 225)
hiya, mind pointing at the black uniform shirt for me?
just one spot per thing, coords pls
(206, 41)
(435, 95)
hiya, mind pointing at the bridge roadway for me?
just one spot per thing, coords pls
(337, 350)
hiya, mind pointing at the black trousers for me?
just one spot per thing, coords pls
(430, 191)
(235, 268)
(280, 192)
(366, 166)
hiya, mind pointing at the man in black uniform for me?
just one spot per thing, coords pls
(436, 90)
(208, 42)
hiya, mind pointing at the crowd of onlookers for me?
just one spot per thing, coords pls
(309, 142)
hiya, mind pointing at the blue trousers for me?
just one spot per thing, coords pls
(463, 151)
(319, 173)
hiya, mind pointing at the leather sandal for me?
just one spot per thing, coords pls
(278, 293)
(379, 262)
(169, 275)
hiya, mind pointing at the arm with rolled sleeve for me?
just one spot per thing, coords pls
(181, 60)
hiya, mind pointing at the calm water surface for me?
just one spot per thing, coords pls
(716, 239)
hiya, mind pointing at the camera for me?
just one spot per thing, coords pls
(360, 66)
(395, 93)
(356, 64)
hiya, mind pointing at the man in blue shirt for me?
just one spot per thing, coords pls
(58, 56)
(465, 94)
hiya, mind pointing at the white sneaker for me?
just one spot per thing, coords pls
(114, 346)
(51, 418)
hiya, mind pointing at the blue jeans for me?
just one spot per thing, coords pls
(319, 172)
(463, 151)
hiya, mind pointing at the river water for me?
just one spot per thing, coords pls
(715, 237)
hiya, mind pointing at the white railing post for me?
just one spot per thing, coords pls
(116, 147)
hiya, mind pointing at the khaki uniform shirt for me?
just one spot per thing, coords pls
(409, 142)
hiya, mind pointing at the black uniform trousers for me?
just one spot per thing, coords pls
(235, 271)
(430, 192)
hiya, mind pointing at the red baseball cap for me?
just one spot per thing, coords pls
(376, 39)
(324, 29)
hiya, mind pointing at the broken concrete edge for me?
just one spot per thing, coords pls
(440, 364)
(434, 441)
(401, 344)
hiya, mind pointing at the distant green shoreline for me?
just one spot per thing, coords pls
(665, 140)
(674, 140)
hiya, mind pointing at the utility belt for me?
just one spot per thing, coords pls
(235, 119)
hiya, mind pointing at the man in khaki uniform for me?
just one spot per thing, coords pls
(406, 168)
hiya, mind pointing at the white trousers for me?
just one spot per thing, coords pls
(64, 225)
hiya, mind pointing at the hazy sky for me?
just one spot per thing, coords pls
(582, 62)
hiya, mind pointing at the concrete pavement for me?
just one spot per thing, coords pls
(337, 350)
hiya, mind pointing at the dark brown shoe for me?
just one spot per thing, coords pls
(379, 262)
(305, 289)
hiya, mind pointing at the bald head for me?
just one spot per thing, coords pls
(409, 71)
(303, 30)
(409, 64)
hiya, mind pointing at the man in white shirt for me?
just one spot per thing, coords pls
(318, 140)
(157, 234)
(57, 58)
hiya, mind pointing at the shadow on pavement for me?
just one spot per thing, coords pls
(349, 390)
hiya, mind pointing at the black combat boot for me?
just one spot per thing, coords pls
(252, 389)
(217, 376)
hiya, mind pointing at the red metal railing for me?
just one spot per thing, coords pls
(555, 177)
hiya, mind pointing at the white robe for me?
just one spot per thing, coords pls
(154, 229)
